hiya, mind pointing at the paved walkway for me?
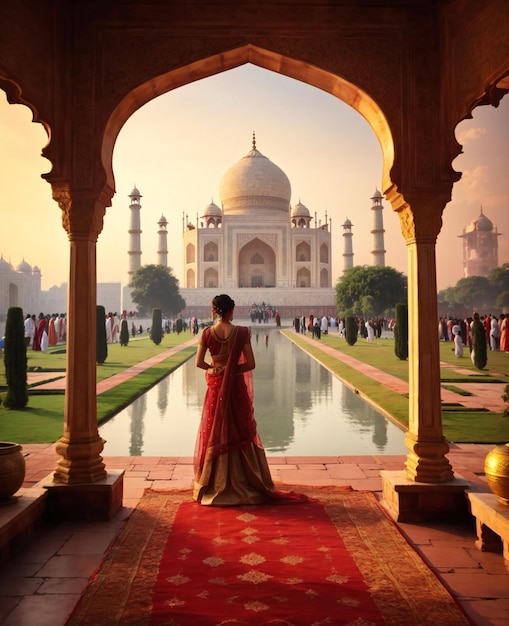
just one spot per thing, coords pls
(41, 584)
(487, 396)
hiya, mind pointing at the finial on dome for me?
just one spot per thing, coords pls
(254, 141)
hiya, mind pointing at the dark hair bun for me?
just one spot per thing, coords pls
(222, 304)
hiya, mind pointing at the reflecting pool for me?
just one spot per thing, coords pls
(300, 407)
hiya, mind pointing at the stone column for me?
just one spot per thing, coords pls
(80, 446)
(426, 461)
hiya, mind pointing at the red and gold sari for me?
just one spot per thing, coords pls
(230, 465)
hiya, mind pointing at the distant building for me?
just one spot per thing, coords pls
(480, 247)
(21, 286)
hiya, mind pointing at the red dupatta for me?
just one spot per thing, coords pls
(227, 418)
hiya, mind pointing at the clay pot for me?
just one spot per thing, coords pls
(496, 468)
(12, 469)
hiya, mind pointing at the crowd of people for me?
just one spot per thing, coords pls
(45, 330)
(459, 331)
(369, 329)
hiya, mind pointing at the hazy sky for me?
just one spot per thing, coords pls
(177, 148)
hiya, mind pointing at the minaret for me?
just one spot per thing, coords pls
(348, 247)
(162, 251)
(378, 230)
(134, 231)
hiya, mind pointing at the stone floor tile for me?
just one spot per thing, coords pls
(88, 543)
(52, 586)
(158, 474)
(71, 566)
(451, 557)
(19, 585)
(38, 611)
(345, 471)
(477, 585)
(7, 606)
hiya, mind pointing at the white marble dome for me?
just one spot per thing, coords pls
(24, 267)
(255, 184)
(5, 266)
(480, 223)
(300, 210)
(212, 210)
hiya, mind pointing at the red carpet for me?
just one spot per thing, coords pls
(337, 560)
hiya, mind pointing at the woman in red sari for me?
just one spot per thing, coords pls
(230, 465)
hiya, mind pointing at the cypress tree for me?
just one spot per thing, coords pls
(401, 331)
(479, 354)
(351, 330)
(179, 324)
(124, 333)
(101, 347)
(156, 332)
(15, 360)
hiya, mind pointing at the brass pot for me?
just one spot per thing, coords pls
(12, 469)
(496, 468)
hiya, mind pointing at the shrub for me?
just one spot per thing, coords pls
(479, 354)
(179, 324)
(505, 398)
(401, 331)
(351, 330)
(156, 331)
(101, 347)
(15, 360)
(124, 333)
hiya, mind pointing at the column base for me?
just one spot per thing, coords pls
(98, 501)
(409, 501)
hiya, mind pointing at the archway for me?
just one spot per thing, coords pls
(256, 265)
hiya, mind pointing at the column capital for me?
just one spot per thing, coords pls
(420, 216)
(82, 210)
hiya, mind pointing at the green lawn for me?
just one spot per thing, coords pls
(42, 420)
(460, 425)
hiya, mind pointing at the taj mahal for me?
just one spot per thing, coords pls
(255, 246)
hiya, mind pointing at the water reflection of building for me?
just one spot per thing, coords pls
(136, 412)
(360, 413)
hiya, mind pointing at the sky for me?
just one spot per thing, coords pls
(177, 147)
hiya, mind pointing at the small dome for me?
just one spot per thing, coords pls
(162, 221)
(377, 195)
(4, 266)
(299, 210)
(36, 270)
(24, 267)
(347, 223)
(480, 223)
(135, 192)
(212, 210)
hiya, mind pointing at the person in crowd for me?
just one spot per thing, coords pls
(39, 331)
(230, 466)
(504, 333)
(370, 329)
(29, 330)
(458, 341)
(494, 334)
(324, 325)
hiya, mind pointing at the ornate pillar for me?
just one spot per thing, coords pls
(426, 461)
(427, 489)
(80, 446)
